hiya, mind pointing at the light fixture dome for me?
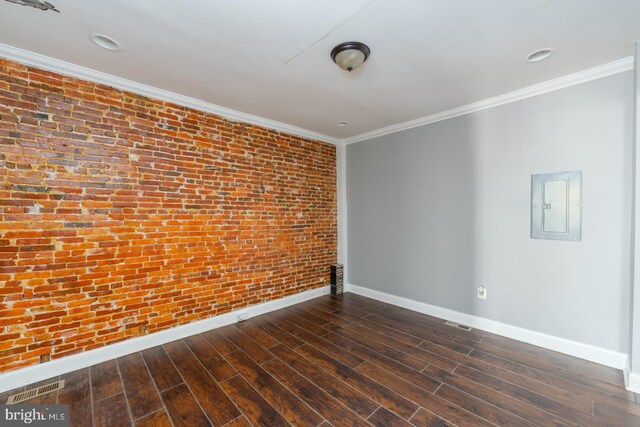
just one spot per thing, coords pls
(350, 55)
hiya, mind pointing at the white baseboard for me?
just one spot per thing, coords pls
(634, 382)
(589, 352)
(24, 376)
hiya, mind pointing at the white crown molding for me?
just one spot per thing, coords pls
(589, 352)
(62, 67)
(31, 374)
(58, 66)
(615, 67)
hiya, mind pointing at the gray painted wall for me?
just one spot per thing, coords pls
(635, 249)
(436, 211)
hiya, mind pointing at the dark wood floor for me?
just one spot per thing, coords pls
(346, 361)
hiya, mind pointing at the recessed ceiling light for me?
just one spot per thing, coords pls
(342, 123)
(539, 55)
(105, 42)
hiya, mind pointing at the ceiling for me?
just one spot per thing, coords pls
(270, 58)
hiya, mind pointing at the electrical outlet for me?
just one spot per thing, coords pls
(482, 292)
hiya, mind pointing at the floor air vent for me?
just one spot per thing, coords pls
(35, 392)
(459, 326)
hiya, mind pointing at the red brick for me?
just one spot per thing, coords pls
(117, 210)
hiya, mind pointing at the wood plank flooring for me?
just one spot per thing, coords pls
(345, 361)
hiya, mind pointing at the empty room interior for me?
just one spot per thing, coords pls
(319, 213)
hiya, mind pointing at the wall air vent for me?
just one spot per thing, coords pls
(458, 325)
(35, 392)
(38, 4)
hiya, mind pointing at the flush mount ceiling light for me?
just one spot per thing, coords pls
(342, 123)
(350, 55)
(539, 55)
(105, 42)
(38, 4)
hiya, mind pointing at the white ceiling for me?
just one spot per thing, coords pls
(270, 58)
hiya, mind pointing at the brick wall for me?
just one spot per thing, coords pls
(120, 213)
